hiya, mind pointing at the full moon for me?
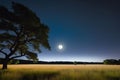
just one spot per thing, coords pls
(60, 46)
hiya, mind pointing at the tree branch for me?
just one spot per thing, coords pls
(10, 42)
(15, 45)
(3, 52)
(13, 51)
(17, 39)
(16, 56)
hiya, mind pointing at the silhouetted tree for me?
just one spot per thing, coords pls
(75, 63)
(21, 33)
(110, 61)
(119, 61)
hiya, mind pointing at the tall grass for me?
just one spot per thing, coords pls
(61, 72)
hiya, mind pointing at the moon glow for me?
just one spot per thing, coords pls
(60, 46)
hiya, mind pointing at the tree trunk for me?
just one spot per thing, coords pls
(5, 62)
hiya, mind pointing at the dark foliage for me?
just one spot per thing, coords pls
(21, 33)
(111, 61)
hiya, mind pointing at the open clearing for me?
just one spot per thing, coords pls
(60, 72)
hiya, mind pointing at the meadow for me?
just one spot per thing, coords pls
(60, 72)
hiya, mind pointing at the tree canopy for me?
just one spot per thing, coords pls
(111, 61)
(21, 33)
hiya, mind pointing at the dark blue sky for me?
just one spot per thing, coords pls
(88, 29)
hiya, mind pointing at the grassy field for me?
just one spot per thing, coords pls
(61, 72)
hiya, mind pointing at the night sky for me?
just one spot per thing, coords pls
(88, 29)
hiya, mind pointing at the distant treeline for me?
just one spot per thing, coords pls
(111, 61)
(17, 61)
